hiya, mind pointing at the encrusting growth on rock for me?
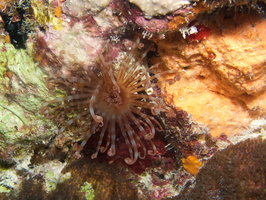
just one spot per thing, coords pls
(113, 104)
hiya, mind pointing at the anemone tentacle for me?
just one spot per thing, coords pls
(113, 99)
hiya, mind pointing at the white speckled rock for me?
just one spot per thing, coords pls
(159, 7)
(79, 8)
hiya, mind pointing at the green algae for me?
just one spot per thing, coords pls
(21, 96)
(22, 128)
(4, 189)
(52, 179)
(87, 189)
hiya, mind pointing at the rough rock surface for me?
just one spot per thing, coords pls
(237, 172)
(158, 7)
(223, 74)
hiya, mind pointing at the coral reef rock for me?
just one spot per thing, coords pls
(157, 7)
(237, 172)
(222, 68)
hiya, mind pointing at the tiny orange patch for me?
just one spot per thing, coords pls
(191, 164)
(58, 11)
(8, 74)
(38, 57)
(2, 5)
(7, 39)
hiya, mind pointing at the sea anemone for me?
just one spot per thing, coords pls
(113, 102)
